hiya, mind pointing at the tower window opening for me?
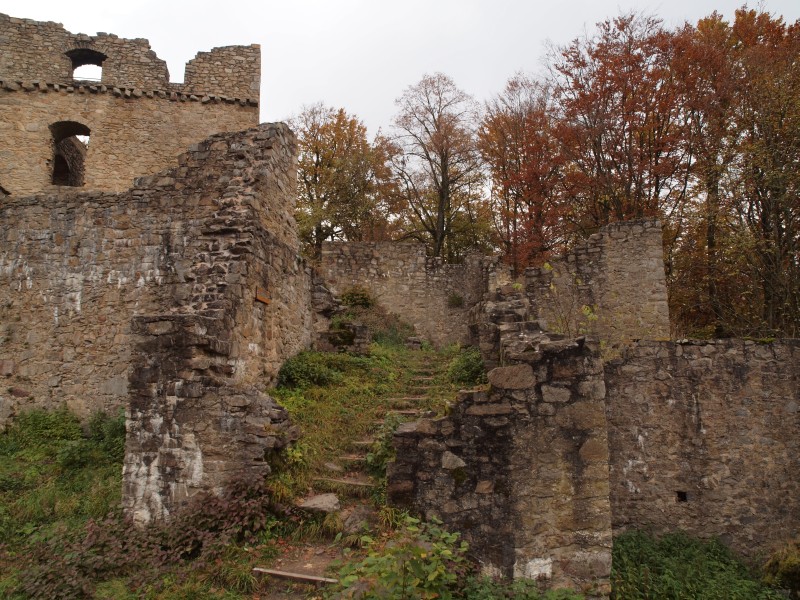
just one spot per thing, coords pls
(70, 145)
(87, 65)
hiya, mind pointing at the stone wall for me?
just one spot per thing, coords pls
(235, 69)
(699, 436)
(704, 438)
(521, 470)
(432, 296)
(139, 121)
(178, 298)
(611, 286)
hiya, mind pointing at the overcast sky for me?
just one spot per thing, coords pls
(362, 54)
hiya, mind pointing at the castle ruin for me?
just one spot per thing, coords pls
(157, 269)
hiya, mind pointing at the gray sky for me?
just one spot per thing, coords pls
(361, 54)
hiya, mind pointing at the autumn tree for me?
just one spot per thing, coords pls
(438, 169)
(705, 67)
(517, 145)
(768, 124)
(620, 124)
(342, 178)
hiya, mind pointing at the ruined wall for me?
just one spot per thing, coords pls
(235, 69)
(521, 469)
(139, 121)
(699, 436)
(75, 267)
(432, 296)
(704, 438)
(611, 286)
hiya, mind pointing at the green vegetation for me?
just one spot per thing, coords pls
(64, 535)
(52, 473)
(467, 368)
(680, 567)
(783, 568)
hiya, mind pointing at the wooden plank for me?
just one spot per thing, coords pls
(299, 577)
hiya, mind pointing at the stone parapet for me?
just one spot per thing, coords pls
(174, 92)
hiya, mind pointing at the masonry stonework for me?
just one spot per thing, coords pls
(592, 289)
(704, 437)
(521, 469)
(580, 438)
(179, 299)
(136, 120)
(427, 293)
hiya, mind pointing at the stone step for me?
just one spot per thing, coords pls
(351, 458)
(361, 444)
(344, 482)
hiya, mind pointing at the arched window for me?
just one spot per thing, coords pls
(70, 144)
(86, 64)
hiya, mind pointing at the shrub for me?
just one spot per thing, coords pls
(677, 566)
(455, 301)
(467, 368)
(69, 566)
(421, 560)
(783, 568)
(306, 369)
(486, 588)
(382, 451)
(357, 296)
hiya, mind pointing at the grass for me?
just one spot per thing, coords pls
(680, 567)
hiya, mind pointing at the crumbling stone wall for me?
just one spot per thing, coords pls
(592, 289)
(521, 469)
(235, 69)
(179, 298)
(696, 436)
(704, 437)
(431, 295)
(139, 121)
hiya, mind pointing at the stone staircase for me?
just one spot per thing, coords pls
(505, 329)
(344, 485)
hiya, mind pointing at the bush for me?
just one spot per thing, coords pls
(455, 301)
(306, 369)
(69, 566)
(421, 560)
(467, 368)
(783, 568)
(357, 296)
(485, 588)
(679, 567)
(40, 429)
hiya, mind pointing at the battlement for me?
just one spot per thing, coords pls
(131, 121)
(231, 71)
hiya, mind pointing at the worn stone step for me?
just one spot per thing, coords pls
(363, 443)
(345, 482)
(352, 458)
(406, 412)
